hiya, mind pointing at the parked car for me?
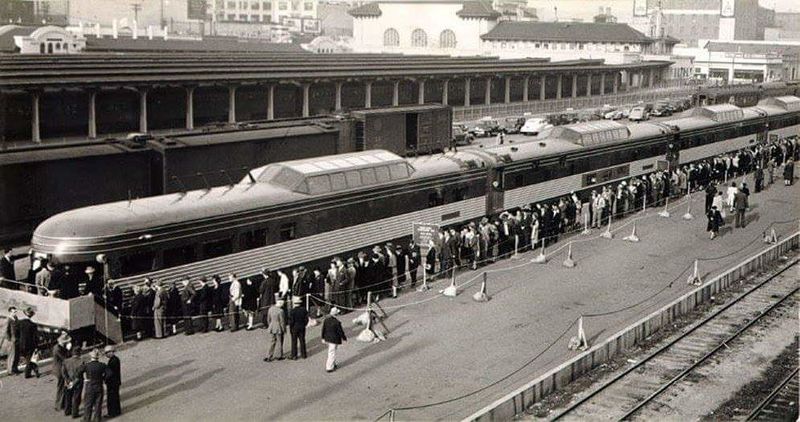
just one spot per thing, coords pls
(614, 115)
(512, 124)
(534, 126)
(461, 136)
(638, 114)
(485, 127)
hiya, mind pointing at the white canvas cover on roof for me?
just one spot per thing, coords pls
(720, 113)
(593, 133)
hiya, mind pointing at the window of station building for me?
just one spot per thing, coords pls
(308, 6)
(626, 48)
(503, 45)
(546, 46)
(179, 256)
(447, 39)
(282, 5)
(391, 38)
(231, 5)
(231, 17)
(255, 5)
(254, 239)
(419, 38)
(266, 5)
(137, 263)
(580, 46)
(287, 232)
(255, 18)
(217, 248)
(219, 4)
(536, 45)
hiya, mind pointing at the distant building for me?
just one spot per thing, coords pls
(787, 28)
(605, 16)
(334, 19)
(693, 21)
(735, 62)
(613, 42)
(394, 26)
(39, 40)
(274, 11)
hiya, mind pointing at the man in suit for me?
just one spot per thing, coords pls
(298, 319)
(27, 341)
(60, 354)
(332, 335)
(94, 373)
(12, 336)
(74, 391)
(276, 327)
(187, 306)
(7, 271)
(740, 205)
(46, 281)
(92, 282)
(113, 381)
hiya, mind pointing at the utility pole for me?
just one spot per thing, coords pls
(136, 8)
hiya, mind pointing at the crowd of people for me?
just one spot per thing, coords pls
(283, 300)
(80, 379)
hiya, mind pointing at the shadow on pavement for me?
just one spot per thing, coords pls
(155, 372)
(186, 385)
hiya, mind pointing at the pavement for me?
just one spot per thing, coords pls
(438, 348)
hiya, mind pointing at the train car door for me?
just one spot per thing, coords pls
(495, 198)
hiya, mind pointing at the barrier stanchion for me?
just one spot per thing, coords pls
(451, 290)
(586, 229)
(694, 278)
(579, 342)
(569, 263)
(665, 212)
(632, 237)
(541, 258)
(771, 237)
(516, 248)
(481, 295)
(688, 215)
(644, 202)
(424, 287)
(607, 234)
(365, 317)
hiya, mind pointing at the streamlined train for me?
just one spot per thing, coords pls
(294, 212)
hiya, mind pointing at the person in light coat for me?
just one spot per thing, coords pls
(234, 301)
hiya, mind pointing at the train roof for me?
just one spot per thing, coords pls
(720, 113)
(785, 103)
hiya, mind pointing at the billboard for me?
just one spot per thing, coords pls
(196, 9)
(639, 7)
(292, 24)
(311, 26)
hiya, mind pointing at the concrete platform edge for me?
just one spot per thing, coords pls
(514, 403)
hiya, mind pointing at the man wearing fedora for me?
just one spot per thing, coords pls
(60, 354)
(12, 336)
(27, 342)
(276, 327)
(74, 391)
(92, 283)
(113, 381)
(332, 335)
(298, 319)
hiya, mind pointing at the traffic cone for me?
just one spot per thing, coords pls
(695, 277)
(688, 215)
(569, 263)
(451, 290)
(607, 234)
(633, 237)
(541, 258)
(665, 213)
(481, 296)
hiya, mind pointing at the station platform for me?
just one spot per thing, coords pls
(439, 348)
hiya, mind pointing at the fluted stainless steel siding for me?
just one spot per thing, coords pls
(322, 245)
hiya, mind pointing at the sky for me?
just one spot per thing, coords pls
(622, 9)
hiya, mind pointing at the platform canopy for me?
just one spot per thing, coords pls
(321, 175)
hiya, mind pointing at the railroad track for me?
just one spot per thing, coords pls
(781, 404)
(638, 387)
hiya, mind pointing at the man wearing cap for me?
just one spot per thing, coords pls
(113, 382)
(12, 335)
(60, 354)
(298, 319)
(332, 335)
(276, 326)
(94, 374)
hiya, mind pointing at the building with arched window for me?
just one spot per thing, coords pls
(454, 27)
(39, 40)
(419, 38)
(447, 39)
(391, 38)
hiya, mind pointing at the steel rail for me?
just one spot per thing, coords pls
(667, 346)
(768, 400)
